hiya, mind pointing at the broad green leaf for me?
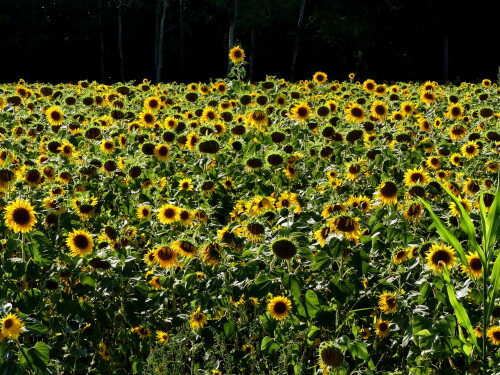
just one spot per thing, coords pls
(269, 346)
(460, 312)
(311, 303)
(229, 329)
(36, 358)
(359, 349)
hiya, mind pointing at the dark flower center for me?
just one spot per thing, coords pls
(21, 216)
(280, 307)
(81, 241)
(441, 256)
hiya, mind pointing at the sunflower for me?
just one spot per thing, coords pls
(161, 151)
(455, 211)
(354, 170)
(331, 359)
(80, 242)
(185, 184)
(185, 248)
(382, 328)
(279, 307)
(387, 192)
(152, 103)
(456, 159)
(457, 132)
(413, 212)
(107, 146)
(289, 200)
(407, 108)
(416, 177)
(364, 333)
(491, 166)
(387, 303)
(259, 205)
(186, 217)
(141, 331)
(470, 149)
(320, 78)
(192, 140)
(197, 319)
(300, 111)
(493, 334)
(379, 110)
(433, 162)
(168, 213)
(347, 226)
(165, 256)
(474, 265)
(284, 248)
(237, 54)
(369, 85)
(440, 255)
(428, 97)
(162, 337)
(471, 187)
(147, 118)
(400, 256)
(257, 118)
(455, 112)
(55, 115)
(209, 114)
(211, 254)
(20, 216)
(354, 112)
(11, 326)
(321, 235)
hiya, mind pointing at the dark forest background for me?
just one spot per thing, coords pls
(188, 40)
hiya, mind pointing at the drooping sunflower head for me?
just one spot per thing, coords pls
(20, 216)
(284, 248)
(212, 254)
(185, 248)
(439, 256)
(279, 307)
(331, 359)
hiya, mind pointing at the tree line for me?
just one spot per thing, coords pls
(188, 40)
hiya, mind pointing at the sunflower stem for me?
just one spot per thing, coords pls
(21, 349)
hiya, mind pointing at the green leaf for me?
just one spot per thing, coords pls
(269, 346)
(12, 368)
(36, 358)
(424, 332)
(460, 312)
(229, 329)
(493, 221)
(311, 303)
(359, 349)
(495, 283)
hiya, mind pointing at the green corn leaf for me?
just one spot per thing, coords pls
(484, 223)
(468, 227)
(495, 283)
(493, 221)
(445, 234)
(460, 312)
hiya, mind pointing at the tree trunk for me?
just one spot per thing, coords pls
(445, 58)
(251, 60)
(297, 39)
(157, 36)
(159, 65)
(181, 38)
(232, 28)
(101, 38)
(120, 40)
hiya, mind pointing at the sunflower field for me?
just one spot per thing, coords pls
(230, 227)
